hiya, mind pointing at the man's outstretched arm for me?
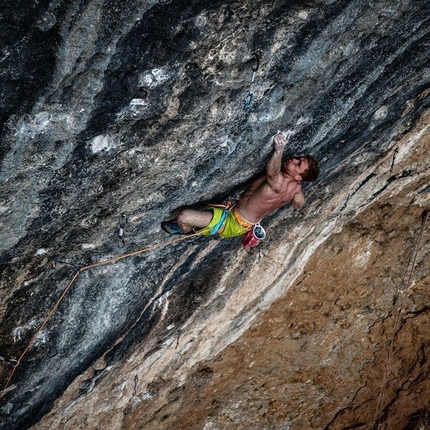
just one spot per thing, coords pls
(273, 166)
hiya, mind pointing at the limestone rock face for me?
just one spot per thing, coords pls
(114, 115)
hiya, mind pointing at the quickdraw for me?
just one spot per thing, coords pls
(56, 260)
(250, 99)
(396, 151)
(122, 222)
(10, 361)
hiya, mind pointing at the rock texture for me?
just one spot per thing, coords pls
(138, 108)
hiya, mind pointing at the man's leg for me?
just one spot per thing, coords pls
(190, 218)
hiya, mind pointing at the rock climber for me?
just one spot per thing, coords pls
(280, 184)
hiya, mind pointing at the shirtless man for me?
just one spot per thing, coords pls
(280, 184)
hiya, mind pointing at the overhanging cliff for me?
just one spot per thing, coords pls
(138, 108)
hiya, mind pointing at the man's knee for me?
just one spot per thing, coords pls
(184, 216)
(195, 218)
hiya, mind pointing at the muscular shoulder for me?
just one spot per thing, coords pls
(291, 186)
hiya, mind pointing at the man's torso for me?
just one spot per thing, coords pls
(258, 203)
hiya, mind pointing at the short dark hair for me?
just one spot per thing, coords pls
(312, 172)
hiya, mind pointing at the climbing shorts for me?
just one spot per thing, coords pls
(234, 224)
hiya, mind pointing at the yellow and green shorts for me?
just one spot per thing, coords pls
(234, 224)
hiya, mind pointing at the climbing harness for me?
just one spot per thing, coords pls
(250, 99)
(406, 286)
(227, 207)
(251, 238)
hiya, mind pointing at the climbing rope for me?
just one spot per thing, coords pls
(16, 363)
(250, 99)
(407, 284)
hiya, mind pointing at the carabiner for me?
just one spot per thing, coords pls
(257, 62)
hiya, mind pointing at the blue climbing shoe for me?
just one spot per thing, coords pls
(171, 227)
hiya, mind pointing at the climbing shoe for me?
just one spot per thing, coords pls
(171, 227)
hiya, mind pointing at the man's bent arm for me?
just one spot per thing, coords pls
(298, 200)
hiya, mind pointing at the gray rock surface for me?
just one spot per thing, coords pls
(137, 108)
